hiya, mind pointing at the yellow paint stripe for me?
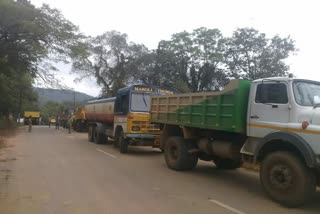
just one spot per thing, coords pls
(283, 128)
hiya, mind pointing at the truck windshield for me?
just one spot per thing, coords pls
(140, 102)
(306, 93)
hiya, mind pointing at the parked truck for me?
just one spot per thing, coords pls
(271, 122)
(124, 118)
(35, 117)
(80, 120)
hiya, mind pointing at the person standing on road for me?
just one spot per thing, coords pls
(30, 123)
(69, 123)
(57, 122)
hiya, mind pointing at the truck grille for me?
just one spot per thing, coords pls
(146, 127)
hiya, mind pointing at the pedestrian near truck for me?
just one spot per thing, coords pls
(29, 123)
(69, 123)
(57, 122)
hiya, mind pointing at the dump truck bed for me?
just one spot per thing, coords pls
(225, 110)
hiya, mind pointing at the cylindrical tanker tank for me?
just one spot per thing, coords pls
(100, 110)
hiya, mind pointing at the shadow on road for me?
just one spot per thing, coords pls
(143, 151)
(134, 150)
(245, 180)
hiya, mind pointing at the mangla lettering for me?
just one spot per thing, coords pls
(143, 89)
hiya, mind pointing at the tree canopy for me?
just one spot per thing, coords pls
(31, 38)
(201, 60)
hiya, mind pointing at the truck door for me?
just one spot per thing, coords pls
(269, 108)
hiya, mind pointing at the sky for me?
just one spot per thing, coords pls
(149, 21)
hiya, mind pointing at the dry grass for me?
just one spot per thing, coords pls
(5, 134)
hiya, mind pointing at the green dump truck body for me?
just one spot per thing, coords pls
(225, 110)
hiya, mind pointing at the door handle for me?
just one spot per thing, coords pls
(254, 116)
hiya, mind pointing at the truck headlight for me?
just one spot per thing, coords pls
(135, 128)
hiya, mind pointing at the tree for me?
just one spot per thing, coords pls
(31, 38)
(17, 94)
(251, 55)
(208, 73)
(154, 67)
(106, 57)
(199, 58)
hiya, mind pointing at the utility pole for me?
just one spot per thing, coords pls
(74, 101)
(20, 104)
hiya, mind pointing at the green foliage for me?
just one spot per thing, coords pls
(252, 56)
(52, 109)
(205, 60)
(29, 37)
(106, 57)
(189, 61)
(17, 94)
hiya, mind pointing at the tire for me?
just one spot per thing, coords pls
(123, 143)
(77, 127)
(99, 138)
(286, 179)
(116, 139)
(177, 154)
(227, 164)
(90, 133)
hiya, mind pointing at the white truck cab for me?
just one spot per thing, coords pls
(283, 136)
(285, 106)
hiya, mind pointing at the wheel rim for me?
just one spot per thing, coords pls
(281, 176)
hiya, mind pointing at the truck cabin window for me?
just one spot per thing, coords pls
(272, 93)
(140, 102)
(306, 93)
(121, 105)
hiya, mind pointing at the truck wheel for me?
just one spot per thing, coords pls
(226, 163)
(177, 154)
(90, 133)
(99, 138)
(286, 179)
(116, 139)
(115, 143)
(123, 143)
(78, 127)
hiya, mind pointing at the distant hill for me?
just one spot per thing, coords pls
(60, 96)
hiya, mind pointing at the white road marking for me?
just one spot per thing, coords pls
(234, 210)
(106, 153)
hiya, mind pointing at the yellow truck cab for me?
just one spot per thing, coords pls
(125, 117)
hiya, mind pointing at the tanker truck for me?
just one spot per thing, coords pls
(124, 118)
(271, 123)
(80, 121)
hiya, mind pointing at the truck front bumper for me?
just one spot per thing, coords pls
(141, 136)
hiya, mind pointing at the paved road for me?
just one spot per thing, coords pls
(49, 171)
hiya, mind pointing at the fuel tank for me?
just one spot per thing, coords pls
(100, 110)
